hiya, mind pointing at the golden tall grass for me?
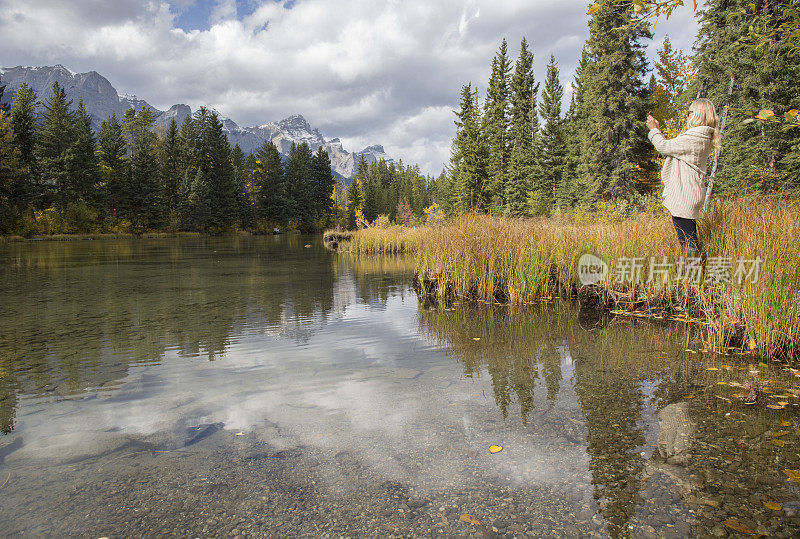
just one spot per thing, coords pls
(521, 261)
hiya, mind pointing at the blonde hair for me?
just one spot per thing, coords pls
(705, 114)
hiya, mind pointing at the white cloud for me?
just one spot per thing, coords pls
(366, 71)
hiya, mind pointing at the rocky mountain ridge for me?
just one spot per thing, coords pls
(101, 99)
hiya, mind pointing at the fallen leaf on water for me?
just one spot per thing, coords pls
(476, 338)
(794, 475)
(786, 423)
(239, 434)
(712, 369)
(741, 527)
(779, 443)
(469, 518)
(774, 406)
(772, 505)
(495, 448)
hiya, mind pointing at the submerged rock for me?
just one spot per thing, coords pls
(676, 430)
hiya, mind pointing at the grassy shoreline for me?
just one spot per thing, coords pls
(518, 261)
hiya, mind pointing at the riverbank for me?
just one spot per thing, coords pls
(744, 295)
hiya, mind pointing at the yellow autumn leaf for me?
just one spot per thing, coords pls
(774, 407)
(794, 475)
(495, 448)
(772, 505)
(740, 527)
(593, 9)
(783, 403)
(793, 112)
(712, 369)
(786, 423)
(470, 519)
(753, 347)
(476, 338)
(688, 397)
(780, 433)
(779, 443)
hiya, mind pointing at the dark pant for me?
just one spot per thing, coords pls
(687, 232)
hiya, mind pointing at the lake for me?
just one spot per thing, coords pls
(264, 386)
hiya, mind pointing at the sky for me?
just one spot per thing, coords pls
(367, 71)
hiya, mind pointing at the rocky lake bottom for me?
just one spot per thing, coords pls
(257, 387)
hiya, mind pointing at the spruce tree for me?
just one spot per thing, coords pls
(218, 173)
(12, 174)
(142, 195)
(523, 118)
(84, 170)
(242, 181)
(23, 124)
(553, 139)
(171, 165)
(298, 184)
(113, 166)
(272, 202)
(54, 147)
(496, 126)
(469, 157)
(615, 152)
(756, 155)
(323, 182)
(355, 202)
(573, 189)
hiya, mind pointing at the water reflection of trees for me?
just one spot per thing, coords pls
(612, 361)
(76, 315)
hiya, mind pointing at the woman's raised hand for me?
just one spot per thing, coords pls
(652, 123)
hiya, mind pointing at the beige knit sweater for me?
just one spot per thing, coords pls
(684, 172)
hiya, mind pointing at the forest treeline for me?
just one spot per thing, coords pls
(58, 176)
(516, 152)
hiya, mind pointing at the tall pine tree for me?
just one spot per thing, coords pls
(553, 140)
(615, 152)
(23, 123)
(469, 158)
(523, 150)
(54, 147)
(496, 126)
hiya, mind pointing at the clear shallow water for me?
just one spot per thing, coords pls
(252, 386)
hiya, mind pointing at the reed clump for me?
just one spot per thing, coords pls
(519, 261)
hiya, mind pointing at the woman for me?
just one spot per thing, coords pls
(684, 172)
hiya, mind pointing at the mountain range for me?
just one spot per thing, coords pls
(101, 99)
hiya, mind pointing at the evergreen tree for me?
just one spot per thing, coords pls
(355, 202)
(496, 126)
(323, 182)
(299, 186)
(469, 157)
(615, 152)
(241, 181)
(272, 202)
(23, 124)
(573, 189)
(142, 200)
(84, 171)
(218, 171)
(113, 166)
(12, 174)
(171, 165)
(54, 147)
(523, 123)
(553, 139)
(756, 155)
